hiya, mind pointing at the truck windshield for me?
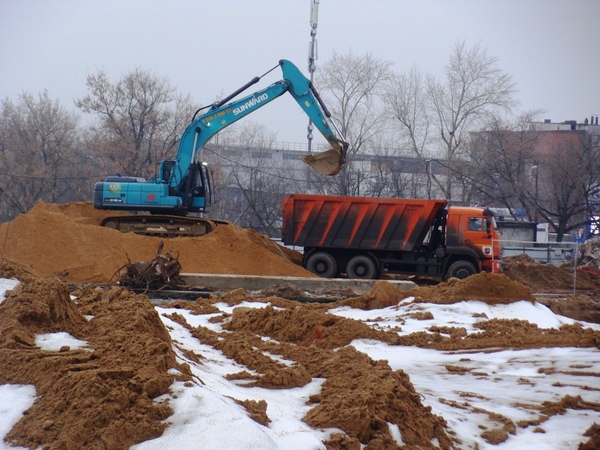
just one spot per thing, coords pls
(481, 224)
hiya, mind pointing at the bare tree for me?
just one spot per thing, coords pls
(568, 175)
(438, 115)
(407, 102)
(39, 154)
(554, 175)
(591, 186)
(502, 164)
(398, 177)
(351, 87)
(141, 119)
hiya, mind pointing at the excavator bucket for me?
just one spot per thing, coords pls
(329, 162)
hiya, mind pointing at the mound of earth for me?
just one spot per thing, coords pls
(486, 287)
(546, 278)
(567, 290)
(103, 395)
(66, 241)
(98, 396)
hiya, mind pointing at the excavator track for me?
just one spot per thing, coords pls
(165, 226)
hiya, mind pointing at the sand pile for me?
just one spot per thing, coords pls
(547, 278)
(490, 288)
(101, 396)
(66, 241)
(98, 396)
(578, 289)
(486, 287)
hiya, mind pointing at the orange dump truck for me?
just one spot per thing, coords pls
(362, 237)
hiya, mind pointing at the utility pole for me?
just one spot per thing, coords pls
(312, 56)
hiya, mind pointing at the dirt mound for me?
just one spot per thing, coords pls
(382, 295)
(546, 278)
(579, 289)
(503, 333)
(311, 326)
(360, 396)
(578, 307)
(11, 269)
(100, 396)
(40, 305)
(486, 287)
(386, 396)
(66, 241)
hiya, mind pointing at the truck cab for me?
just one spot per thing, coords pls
(472, 236)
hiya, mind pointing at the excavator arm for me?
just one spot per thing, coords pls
(328, 162)
(222, 114)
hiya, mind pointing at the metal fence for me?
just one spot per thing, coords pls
(554, 253)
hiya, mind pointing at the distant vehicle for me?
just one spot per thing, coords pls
(363, 237)
(183, 185)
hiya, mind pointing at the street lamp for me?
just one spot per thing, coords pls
(537, 178)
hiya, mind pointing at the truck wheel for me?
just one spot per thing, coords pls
(362, 267)
(322, 264)
(461, 270)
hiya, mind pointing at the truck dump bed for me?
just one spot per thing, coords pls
(357, 222)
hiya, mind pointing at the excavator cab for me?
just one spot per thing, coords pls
(195, 189)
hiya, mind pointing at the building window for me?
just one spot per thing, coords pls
(262, 155)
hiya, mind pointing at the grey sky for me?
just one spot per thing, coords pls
(210, 48)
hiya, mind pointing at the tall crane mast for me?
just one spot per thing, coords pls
(312, 57)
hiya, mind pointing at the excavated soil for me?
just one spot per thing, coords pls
(96, 397)
(102, 396)
(65, 241)
(567, 290)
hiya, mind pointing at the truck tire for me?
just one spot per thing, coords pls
(362, 267)
(461, 270)
(322, 264)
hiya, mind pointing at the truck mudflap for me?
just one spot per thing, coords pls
(491, 265)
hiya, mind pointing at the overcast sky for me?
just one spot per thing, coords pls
(210, 48)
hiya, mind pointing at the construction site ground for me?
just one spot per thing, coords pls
(68, 265)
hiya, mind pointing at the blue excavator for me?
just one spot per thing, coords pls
(183, 185)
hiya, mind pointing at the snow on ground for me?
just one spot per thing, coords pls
(504, 382)
(6, 285)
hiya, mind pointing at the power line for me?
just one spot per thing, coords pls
(31, 177)
(256, 169)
